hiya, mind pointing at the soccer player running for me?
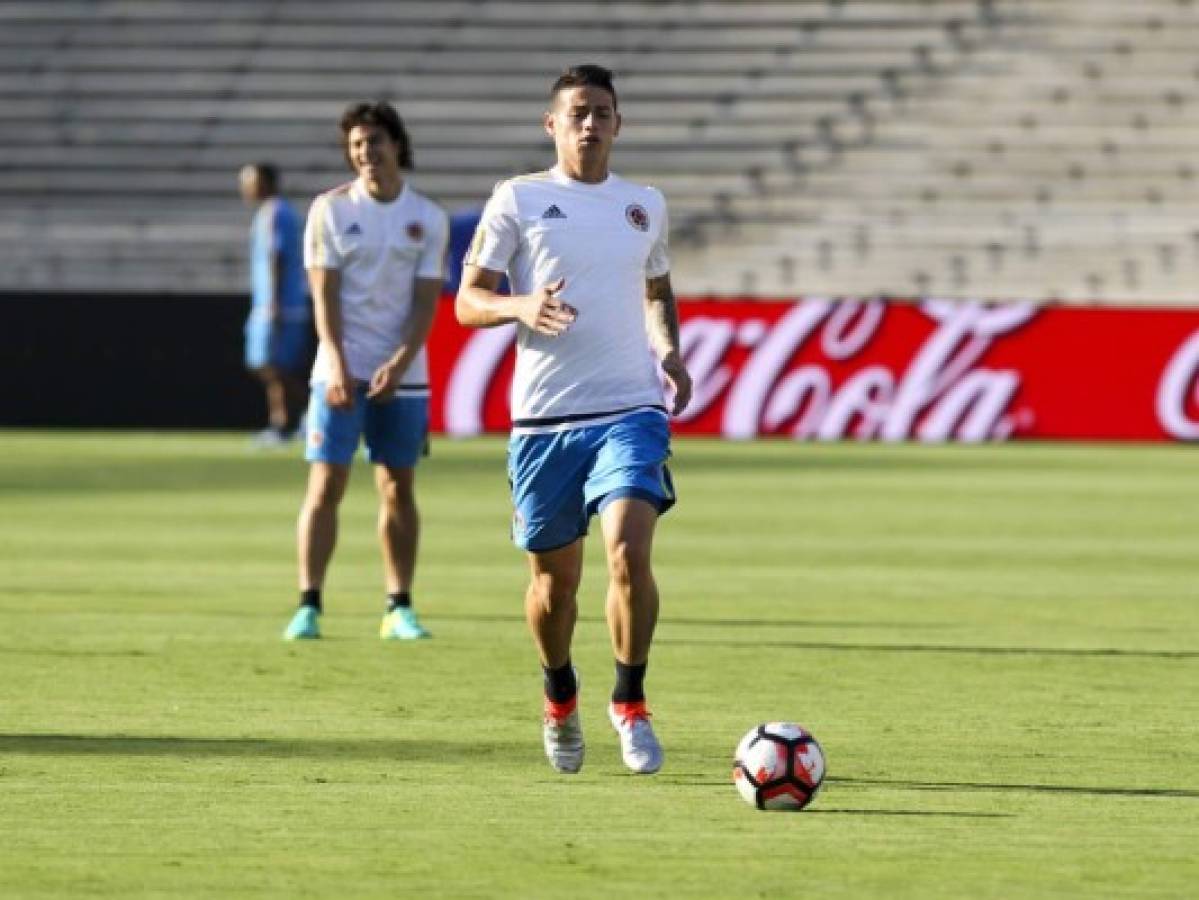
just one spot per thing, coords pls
(374, 249)
(586, 255)
(276, 348)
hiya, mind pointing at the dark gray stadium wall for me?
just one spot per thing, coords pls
(121, 361)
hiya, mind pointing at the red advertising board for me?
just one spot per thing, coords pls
(878, 370)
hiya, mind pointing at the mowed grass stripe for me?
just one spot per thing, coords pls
(995, 645)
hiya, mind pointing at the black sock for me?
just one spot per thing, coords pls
(311, 597)
(560, 684)
(395, 601)
(630, 681)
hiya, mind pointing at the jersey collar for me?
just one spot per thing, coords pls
(360, 189)
(562, 178)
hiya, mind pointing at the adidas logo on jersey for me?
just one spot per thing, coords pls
(553, 213)
(354, 229)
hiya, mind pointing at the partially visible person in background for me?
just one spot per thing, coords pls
(278, 327)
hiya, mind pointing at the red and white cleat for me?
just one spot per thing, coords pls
(638, 744)
(562, 733)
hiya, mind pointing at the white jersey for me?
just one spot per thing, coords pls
(604, 239)
(378, 249)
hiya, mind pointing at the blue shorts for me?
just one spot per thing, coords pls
(283, 345)
(396, 430)
(560, 480)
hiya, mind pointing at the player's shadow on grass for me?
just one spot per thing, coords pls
(866, 458)
(69, 654)
(690, 622)
(969, 786)
(845, 646)
(922, 813)
(120, 476)
(391, 750)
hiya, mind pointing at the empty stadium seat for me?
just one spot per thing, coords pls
(1032, 148)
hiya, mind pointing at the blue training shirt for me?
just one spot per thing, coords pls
(277, 229)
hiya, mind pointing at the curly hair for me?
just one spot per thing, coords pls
(382, 114)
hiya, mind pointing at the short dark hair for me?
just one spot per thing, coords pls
(382, 114)
(268, 177)
(585, 76)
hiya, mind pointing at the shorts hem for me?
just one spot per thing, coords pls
(403, 464)
(553, 547)
(657, 501)
(329, 462)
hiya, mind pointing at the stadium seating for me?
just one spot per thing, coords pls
(1056, 164)
(998, 148)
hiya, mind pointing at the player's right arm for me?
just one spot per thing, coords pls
(321, 261)
(326, 305)
(480, 305)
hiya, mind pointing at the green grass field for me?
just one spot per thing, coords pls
(998, 648)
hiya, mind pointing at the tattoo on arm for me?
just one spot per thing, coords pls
(661, 315)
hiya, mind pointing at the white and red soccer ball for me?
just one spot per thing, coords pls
(778, 766)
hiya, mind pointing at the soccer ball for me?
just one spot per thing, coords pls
(778, 765)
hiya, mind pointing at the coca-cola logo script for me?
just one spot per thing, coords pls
(821, 369)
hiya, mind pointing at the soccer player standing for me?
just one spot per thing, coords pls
(374, 249)
(586, 254)
(276, 348)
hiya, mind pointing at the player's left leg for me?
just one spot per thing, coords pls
(632, 608)
(261, 357)
(399, 537)
(396, 436)
(257, 356)
(290, 359)
(630, 487)
(275, 434)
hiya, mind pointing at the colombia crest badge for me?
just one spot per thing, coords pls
(636, 216)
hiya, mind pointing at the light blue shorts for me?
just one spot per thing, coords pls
(396, 431)
(560, 480)
(283, 345)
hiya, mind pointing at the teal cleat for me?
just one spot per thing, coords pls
(401, 624)
(304, 625)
